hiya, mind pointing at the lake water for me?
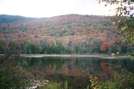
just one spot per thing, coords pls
(75, 70)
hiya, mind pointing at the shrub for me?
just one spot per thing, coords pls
(107, 85)
(52, 85)
(122, 80)
(13, 77)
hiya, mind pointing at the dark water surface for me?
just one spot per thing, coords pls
(76, 70)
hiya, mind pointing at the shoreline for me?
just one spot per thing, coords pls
(101, 56)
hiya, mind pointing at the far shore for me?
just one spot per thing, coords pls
(101, 56)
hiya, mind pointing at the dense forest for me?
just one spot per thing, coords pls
(65, 34)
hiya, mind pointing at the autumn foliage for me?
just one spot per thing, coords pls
(103, 66)
(116, 40)
(67, 34)
(105, 45)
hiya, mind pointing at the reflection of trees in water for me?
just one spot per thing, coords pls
(109, 66)
(74, 66)
(74, 70)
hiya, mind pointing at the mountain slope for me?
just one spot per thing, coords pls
(12, 18)
(71, 33)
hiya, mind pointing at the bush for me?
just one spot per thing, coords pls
(107, 85)
(52, 85)
(13, 77)
(122, 80)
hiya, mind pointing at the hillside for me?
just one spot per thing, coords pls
(71, 33)
(12, 18)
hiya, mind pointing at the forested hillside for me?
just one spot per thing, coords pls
(66, 34)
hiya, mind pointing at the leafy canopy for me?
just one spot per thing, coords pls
(124, 21)
(123, 7)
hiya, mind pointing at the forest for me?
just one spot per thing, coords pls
(70, 34)
(65, 34)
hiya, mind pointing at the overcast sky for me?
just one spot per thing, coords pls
(49, 8)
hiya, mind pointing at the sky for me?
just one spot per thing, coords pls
(50, 8)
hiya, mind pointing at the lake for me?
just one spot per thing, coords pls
(75, 70)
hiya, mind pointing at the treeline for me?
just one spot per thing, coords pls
(70, 48)
(80, 48)
(68, 45)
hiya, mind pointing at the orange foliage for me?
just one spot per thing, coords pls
(105, 45)
(103, 66)
(107, 71)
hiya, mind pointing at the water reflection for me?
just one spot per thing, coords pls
(59, 68)
(76, 66)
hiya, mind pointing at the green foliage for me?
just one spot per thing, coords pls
(53, 36)
(11, 52)
(13, 77)
(66, 85)
(53, 85)
(126, 27)
(126, 30)
(11, 18)
(124, 6)
(124, 20)
(107, 85)
(122, 80)
(87, 87)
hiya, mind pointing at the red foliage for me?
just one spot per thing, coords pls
(116, 40)
(105, 45)
(91, 34)
(103, 66)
